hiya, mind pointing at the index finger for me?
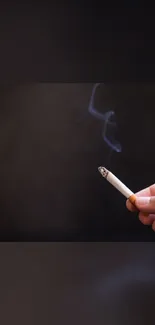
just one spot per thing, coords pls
(142, 193)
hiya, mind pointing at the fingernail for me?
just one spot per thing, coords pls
(142, 200)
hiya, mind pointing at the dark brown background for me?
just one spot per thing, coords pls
(50, 148)
(95, 283)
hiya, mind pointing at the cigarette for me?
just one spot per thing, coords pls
(112, 179)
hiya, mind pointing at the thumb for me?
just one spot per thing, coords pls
(146, 204)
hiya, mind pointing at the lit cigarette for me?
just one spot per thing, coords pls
(112, 179)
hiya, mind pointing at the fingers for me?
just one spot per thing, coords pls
(146, 220)
(152, 190)
(147, 192)
(146, 204)
(153, 226)
(152, 216)
(130, 206)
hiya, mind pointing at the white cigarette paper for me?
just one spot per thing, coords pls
(112, 179)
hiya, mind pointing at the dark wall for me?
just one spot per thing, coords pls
(72, 283)
(50, 148)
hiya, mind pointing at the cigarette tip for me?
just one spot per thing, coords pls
(103, 171)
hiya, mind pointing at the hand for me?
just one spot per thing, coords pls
(145, 203)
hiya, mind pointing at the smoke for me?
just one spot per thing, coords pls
(127, 276)
(109, 123)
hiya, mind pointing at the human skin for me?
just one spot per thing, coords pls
(145, 203)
